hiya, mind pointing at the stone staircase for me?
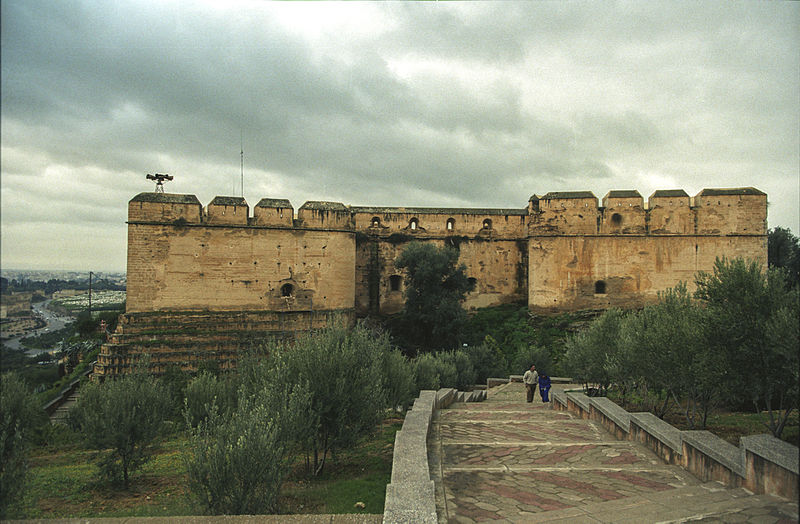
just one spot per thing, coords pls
(506, 460)
(59, 416)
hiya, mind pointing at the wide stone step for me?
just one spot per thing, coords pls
(517, 496)
(541, 432)
(702, 503)
(520, 457)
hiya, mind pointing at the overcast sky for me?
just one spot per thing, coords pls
(417, 104)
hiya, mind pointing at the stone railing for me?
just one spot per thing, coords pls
(410, 495)
(761, 463)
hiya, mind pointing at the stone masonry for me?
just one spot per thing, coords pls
(205, 282)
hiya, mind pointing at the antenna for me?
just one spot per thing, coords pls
(241, 158)
(160, 179)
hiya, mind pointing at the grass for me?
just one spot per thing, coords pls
(63, 482)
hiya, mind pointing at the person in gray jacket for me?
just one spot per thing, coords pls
(531, 381)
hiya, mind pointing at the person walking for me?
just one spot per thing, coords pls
(531, 380)
(544, 387)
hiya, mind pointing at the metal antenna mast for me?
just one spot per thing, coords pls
(241, 158)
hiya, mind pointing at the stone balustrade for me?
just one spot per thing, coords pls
(761, 463)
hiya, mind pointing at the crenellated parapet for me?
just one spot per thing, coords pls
(623, 213)
(735, 211)
(670, 213)
(165, 207)
(273, 212)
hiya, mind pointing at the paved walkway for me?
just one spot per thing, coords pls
(509, 461)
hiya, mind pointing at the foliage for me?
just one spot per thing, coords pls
(19, 414)
(399, 383)
(432, 317)
(426, 371)
(49, 339)
(783, 251)
(120, 419)
(458, 361)
(532, 355)
(743, 304)
(343, 369)
(665, 353)
(239, 461)
(487, 360)
(592, 354)
(204, 391)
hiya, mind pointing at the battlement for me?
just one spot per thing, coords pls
(731, 211)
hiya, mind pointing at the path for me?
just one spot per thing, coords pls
(510, 461)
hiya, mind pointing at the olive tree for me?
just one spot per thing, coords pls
(344, 372)
(239, 460)
(591, 356)
(120, 419)
(749, 313)
(19, 414)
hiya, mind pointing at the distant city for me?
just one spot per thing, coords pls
(44, 275)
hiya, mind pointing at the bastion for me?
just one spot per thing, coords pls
(205, 283)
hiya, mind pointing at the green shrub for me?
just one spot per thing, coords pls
(343, 369)
(19, 415)
(239, 462)
(456, 370)
(525, 357)
(399, 383)
(204, 390)
(121, 419)
(426, 371)
(487, 360)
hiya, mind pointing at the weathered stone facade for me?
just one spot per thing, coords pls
(278, 273)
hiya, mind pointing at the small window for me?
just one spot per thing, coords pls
(412, 224)
(451, 224)
(487, 224)
(376, 222)
(287, 290)
(473, 282)
(395, 281)
(616, 219)
(599, 288)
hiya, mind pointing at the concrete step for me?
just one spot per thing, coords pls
(707, 502)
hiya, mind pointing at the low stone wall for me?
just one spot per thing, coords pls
(761, 463)
(410, 495)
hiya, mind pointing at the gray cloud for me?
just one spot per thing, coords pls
(473, 104)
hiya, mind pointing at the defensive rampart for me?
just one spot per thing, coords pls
(564, 251)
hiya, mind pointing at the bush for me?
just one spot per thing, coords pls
(121, 419)
(524, 357)
(487, 360)
(19, 415)
(399, 382)
(591, 355)
(460, 373)
(343, 369)
(426, 371)
(206, 390)
(240, 461)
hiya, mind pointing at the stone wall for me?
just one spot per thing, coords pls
(562, 252)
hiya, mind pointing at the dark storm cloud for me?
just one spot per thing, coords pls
(476, 104)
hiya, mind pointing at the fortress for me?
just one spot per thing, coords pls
(205, 283)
